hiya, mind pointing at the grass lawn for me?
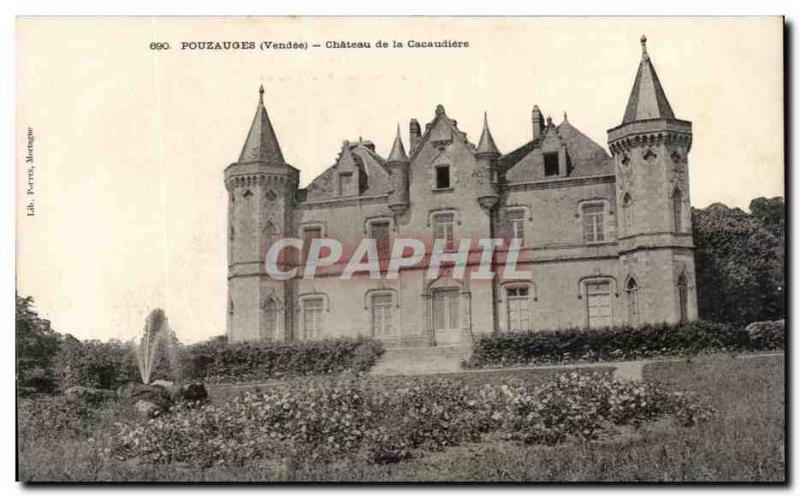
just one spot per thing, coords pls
(743, 442)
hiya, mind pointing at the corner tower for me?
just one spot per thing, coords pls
(650, 150)
(261, 190)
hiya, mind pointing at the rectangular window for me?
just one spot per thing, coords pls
(309, 234)
(593, 223)
(551, 164)
(442, 177)
(598, 304)
(519, 310)
(382, 319)
(312, 318)
(515, 224)
(443, 228)
(379, 231)
(346, 184)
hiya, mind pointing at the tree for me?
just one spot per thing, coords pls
(37, 346)
(739, 262)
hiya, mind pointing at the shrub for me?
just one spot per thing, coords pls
(217, 361)
(95, 364)
(615, 343)
(322, 420)
(767, 335)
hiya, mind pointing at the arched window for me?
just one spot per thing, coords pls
(627, 210)
(632, 294)
(677, 210)
(683, 297)
(270, 319)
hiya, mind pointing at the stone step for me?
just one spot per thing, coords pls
(420, 360)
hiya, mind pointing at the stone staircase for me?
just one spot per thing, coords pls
(420, 360)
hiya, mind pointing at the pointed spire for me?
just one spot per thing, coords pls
(261, 143)
(644, 47)
(647, 100)
(486, 144)
(398, 153)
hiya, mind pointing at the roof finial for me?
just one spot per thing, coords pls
(485, 119)
(261, 94)
(644, 47)
(565, 116)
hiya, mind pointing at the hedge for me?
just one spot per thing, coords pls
(622, 343)
(217, 361)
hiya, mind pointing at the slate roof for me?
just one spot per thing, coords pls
(647, 100)
(261, 143)
(398, 153)
(586, 157)
(486, 144)
(353, 156)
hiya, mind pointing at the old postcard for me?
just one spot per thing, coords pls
(400, 249)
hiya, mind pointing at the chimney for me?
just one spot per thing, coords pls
(414, 135)
(538, 122)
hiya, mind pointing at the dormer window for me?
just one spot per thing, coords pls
(443, 177)
(551, 164)
(345, 184)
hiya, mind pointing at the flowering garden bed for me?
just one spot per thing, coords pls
(328, 419)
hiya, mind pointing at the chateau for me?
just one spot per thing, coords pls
(606, 238)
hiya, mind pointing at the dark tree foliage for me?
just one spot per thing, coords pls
(739, 259)
(37, 346)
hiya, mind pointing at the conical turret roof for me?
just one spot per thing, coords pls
(647, 100)
(486, 144)
(261, 144)
(398, 153)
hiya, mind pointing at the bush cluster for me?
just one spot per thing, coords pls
(619, 343)
(46, 417)
(217, 361)
(767, 335)
(95, 364)
(329, 419)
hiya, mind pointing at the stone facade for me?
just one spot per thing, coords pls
(606, 238)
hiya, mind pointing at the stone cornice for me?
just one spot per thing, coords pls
(344, 202)
(558, 183)
(648, 133)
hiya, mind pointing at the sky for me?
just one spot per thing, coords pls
(130, 143)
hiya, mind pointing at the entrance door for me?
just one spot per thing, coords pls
(446, 315)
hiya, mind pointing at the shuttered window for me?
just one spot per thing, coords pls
(382, 316)
(313, 309)
(598, 302)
